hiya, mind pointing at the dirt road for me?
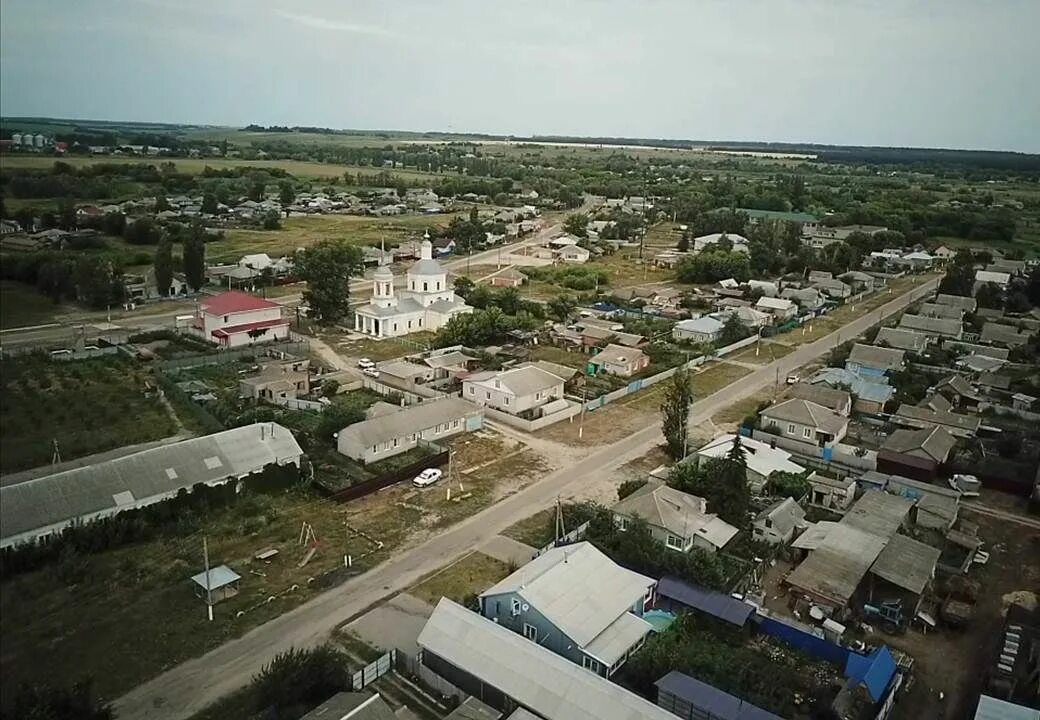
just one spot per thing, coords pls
(189, 687)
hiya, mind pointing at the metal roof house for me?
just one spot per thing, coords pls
(508, 671)
(917, 454)
(576, 602)
(394, 433)
(935, 327)
(352, 706)
(902, 339)
(873, 361)
(838, 401)
(679, 520)
(676, 595)
(805, 421)
(779, 522)
(762, 460)
(45, 505)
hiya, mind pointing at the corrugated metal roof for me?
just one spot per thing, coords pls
(679, 513)
(874, 671)
(907, 563)
(712, 603)
(710, 699)
(413, 419)
(621, 635)
(218, 577)
(534, 677)
(107, 488)
(991, 708)
(876, 357)
(577, 588)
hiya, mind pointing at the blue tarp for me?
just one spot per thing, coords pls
(874, 671)
(716, 604)
(709, 699)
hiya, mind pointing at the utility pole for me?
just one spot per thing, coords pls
(56, 457)
(209, 580)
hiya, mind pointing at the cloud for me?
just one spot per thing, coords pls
(321, 23)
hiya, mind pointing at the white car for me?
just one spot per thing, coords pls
(793, 379)
(370, 371)
(365, 363)
(427, 477)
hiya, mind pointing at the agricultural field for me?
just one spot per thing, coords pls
(87, 406)
(195, 166)
(297, 232)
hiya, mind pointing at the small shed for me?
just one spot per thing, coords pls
(221, 583)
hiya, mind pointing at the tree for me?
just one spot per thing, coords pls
(67, 216)
(464, 286)
(142, 231)
(577, 224)
(163, 264)
(733, 331)
(194, 255)
(732, 495)
(44, 702)
(286, 195)
(683, 245)
(161, 203)
(329, 388)
(327, 268)
(474, 215)
(296, 681)
(561, 307)
(629, 486)
(271, 220)
(675, 412)
(209, 203)
(989, 295)
(1033, 286)
(256, 190)
(960, 276)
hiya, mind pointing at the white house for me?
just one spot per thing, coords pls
(779, 523)
(805, 421)
(707, 242)
(235, 318)
(427, 302)
(700, 330)
(378, 438)
(1000, 279)
(572, 254)
(781, 309)
(513, 391)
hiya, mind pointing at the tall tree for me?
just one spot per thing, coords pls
(195, 256)
(577, 224)
(163, 264)
(286, 195)
(327, 268)
(675, 412)
(729, 478)
(209, 203)
(161, 203)
(561, 307)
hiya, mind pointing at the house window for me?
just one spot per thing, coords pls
(515, 606)
(505, 400)
(530, 632)
(409, 324)
(472, 390)
(674, 543)
(425, 287)
(395, 442)
(622, 523)
(807, 432)
(420, 322)
(790, 428)
(456, 423)
(438, 285)
(590, 664)
(488, 393)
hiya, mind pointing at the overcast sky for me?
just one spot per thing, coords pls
(936, 73)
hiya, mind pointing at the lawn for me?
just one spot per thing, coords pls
(195, 166)
(125, 615)
(624, 268)
(551, 353)
(460, 581)
(769, 352)
(304, 231)
(22, 305)
(534, 530)
(87, 406)
(715, 376)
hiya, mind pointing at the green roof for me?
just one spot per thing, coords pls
(776, 215)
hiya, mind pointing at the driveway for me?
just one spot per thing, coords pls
(189, 687)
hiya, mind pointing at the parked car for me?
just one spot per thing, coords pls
(968, 484)
(427, 477)
(365, 363)
(793, 379)
(371, 372)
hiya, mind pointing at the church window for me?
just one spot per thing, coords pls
(425, 286)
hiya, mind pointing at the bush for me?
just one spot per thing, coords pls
(298, 680)
(628, 487)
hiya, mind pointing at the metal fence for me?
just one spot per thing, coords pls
(292, 347)
(387, 479)
(374, 670)
(412, 666)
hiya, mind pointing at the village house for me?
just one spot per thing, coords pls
(869, 394)
(761, 458)
(804, 421)
(934, 327)
(781, 309)
(808, 298)
(956, 424)
(698, 330)
(394, 433)
(747, 316)
(779, 523)
(860, 282)
(738, 243)
(678, 520)
(917, 454)
(1006, 335)
(576, 602)
(874, 361)
(235, 319)
(519, 390)
(281, 379)
(831, 493)
(572, 254)
(833, 288)
(959, 392)
(839, 401)
(1000, 279)
(822, 236)
(902, 339)
(509, 278)
(619, 360)
(946, 312)
(967, 304)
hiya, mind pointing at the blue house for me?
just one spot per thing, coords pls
(576, 602)
(873, 361)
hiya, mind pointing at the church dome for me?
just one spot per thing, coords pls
(384, 272)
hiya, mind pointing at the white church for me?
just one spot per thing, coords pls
(427, 301)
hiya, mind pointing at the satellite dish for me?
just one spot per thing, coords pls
(816, 613)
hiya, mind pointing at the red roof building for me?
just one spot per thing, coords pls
(236, 318)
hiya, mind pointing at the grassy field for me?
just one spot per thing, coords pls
(24, 305)
(769, 352)
(624, 268)
(299, 232)
(88, 406)
(534, 530)
(195, 166)
(460, 581)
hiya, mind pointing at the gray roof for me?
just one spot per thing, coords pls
(907, 563)
(616, 353)
(902, 339)
(933, 443)
(948, 312)
(922, 415)
(456, 304)
(218, 577)
(577, 588)
(785, 515)
(426, 267)
(703, 325)
(987, 350)
(455, 358)
(878, 512)
(404, 305)
(981, 364)
(551, 686)
(968, 304)
(473, 709)
(991, 708)
(934, 326)
(994, 380)
(564, 372)
(521, 381)
(709, 701)
(413, 419)
(403, 369)
(873, 390)
(807, 413)
(959, 386)
(876, 357)
(679, 513)
(145, 477)
(356, 706)
(1004, 334)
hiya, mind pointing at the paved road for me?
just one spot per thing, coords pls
(189, 687)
